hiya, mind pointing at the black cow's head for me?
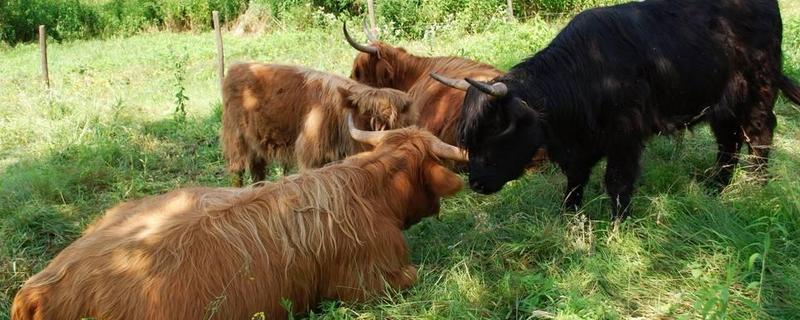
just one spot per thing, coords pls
(498, 129)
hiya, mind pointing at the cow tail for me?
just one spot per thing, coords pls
(26, 306)
(790, 89)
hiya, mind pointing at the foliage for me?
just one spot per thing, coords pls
(81, 19)
(127, 17)
(65, 19)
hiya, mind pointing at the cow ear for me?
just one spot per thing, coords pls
(440, 180)
(524, 113)
(385, 72)
(404, 104)
(346, 93)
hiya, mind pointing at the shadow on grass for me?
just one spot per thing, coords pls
(525, 254)
(46, 201)
(501, 256)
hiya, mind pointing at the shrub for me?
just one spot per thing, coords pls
(65, 19)
(176, 15)
(127, 17)
(74, 19)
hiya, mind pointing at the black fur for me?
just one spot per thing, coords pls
(618, 75)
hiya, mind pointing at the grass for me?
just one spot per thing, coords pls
(106, 132)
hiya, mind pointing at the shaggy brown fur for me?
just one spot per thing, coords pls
(295, 116)
(330, 233)
(439, 106)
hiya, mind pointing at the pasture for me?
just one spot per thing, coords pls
(108, 131)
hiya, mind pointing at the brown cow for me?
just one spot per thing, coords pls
(437, 98)
(382, 65)
(329, 233)
(295, 116)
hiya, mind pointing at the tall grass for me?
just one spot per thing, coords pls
(106, 133)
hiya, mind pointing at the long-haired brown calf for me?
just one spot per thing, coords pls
(330, 233)
(296, 116)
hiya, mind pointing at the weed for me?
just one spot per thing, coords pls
(177, 65)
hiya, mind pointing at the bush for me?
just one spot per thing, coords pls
(65, 19)
(127, 17)
(75, 19)
(196, 14)
(279, 8)
(131, 16)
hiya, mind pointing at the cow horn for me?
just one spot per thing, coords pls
(438, 147)
(497, 89)
(368, 137)
(370, 36)
(447, 151)
(356, 45)
(450, 82)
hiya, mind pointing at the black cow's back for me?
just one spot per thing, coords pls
(668, 59)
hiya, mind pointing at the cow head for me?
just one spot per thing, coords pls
(379, 108)
(379, 64)
(412, 160)
(499, 129)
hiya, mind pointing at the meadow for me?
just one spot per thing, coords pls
(111, 129)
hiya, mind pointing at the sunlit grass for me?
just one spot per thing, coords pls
(105, 134)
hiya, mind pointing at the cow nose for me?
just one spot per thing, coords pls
(475, 185)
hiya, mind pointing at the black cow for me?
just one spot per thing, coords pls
(618, 75)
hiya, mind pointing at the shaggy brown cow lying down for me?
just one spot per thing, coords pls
(296, 116)
(330, 233)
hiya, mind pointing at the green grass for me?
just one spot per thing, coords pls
(106, 133)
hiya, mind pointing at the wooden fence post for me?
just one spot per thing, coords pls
(43, 52)
(220, 52)
(371, 10)
(510, 10)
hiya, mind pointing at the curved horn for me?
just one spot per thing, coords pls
(368, 137)
(438, 147)
(450, 82)
(370, 36)
(498, 89)
(446, 151)
(356, 45)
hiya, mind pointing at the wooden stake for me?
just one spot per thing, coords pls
(371, 10)
(43, 52)
(510, 10)
(220, 52)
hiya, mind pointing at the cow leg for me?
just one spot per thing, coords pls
(237, 178)
(622, 170)
(578, 173)
(729, 141)
(358, 278)
(759, 128)
(235, 150)
(576, 182)
(258, 168)
(403, 278)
